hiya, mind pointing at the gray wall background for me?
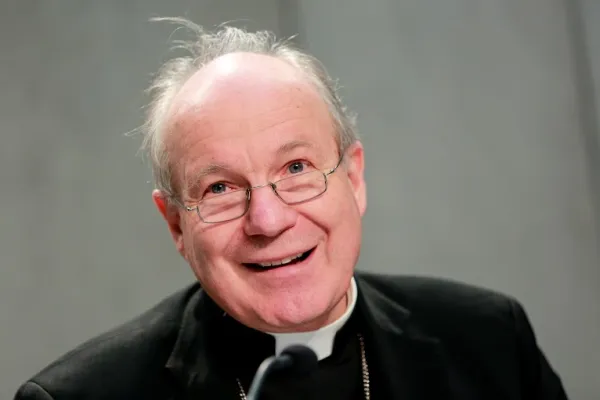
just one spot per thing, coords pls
(480, 125)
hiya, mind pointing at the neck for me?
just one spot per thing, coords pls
(320, 340)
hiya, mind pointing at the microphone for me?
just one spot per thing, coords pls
(299, 359)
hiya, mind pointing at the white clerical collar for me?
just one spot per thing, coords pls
(321, 340)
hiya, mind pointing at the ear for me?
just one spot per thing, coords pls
(355, 166)
(170, 213)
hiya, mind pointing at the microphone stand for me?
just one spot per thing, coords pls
(268, 365)
(261, 374)
(299, 359)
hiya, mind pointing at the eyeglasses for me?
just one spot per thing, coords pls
(296, 189)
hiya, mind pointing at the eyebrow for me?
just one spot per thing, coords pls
(209, 170)
(205, 171)
(212, 169)
(293, 145)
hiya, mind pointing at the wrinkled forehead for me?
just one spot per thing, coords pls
(252, 108)
(247, 105)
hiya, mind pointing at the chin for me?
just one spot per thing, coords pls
(296, 315)
(292, 324)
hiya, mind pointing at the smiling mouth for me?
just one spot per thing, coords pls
(283, 263)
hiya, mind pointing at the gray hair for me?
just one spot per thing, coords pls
(205, 47)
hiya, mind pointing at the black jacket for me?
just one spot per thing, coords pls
(428, 339)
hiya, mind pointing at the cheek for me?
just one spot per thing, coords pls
(345, 238)
(338, 215)
(204, 246)
(341, 207)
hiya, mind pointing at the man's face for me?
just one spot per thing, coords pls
(246, 120)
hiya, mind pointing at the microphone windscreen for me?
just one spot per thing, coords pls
(304, 359)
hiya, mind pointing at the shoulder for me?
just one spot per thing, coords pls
(443, 305)
(482, 331)
(108, 361)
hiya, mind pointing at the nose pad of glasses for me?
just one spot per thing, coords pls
(273, 187)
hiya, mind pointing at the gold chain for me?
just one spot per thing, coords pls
(364, 366)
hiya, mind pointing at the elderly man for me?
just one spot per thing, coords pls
(259, 177)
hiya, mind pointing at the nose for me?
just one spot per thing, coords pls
(267, 215)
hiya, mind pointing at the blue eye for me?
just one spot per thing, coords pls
(218, 188)
(296, 167)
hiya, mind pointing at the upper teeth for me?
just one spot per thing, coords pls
(280, 262)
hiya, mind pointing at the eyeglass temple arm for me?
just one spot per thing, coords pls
(332, 170)
(178, 203)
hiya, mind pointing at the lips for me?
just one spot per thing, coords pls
(280, 263)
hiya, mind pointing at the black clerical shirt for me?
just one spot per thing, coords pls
(338, 376)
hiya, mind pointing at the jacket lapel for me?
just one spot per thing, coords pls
(408, 363)
(189, 362)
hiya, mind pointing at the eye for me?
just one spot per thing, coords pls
(216, 189)
(297, 167)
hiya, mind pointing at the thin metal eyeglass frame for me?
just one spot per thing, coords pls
(273, 186)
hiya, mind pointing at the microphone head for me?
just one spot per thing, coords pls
(304, 359)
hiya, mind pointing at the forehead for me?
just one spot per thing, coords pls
(245, 104)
